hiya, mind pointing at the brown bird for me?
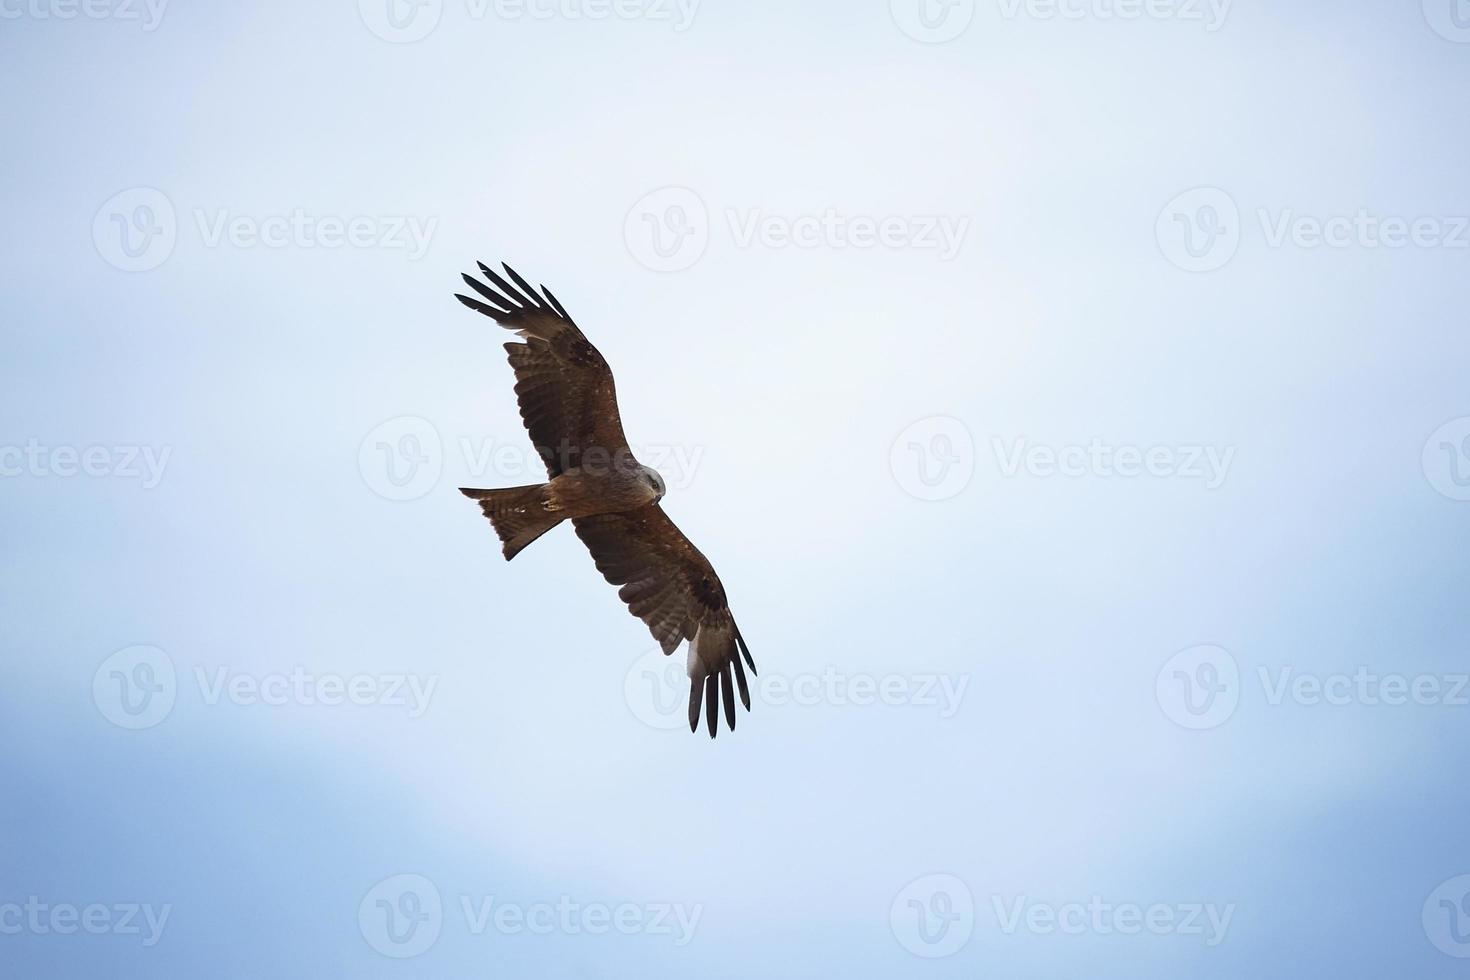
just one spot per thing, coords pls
(570, 408)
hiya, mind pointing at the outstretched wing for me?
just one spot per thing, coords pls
(564, 387)
(669, 585)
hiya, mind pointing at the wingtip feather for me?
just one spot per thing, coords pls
(745, 652)
(727, 695)
(711, 709)
(531, 293)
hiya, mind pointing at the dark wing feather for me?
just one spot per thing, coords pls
(672, 587)
(563, 385)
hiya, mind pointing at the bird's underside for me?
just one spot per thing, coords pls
(570, 409)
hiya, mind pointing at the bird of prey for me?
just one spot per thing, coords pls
(569, 406)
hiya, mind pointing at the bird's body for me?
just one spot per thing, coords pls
(569, 405)
(523, 514)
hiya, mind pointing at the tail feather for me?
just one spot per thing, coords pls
(520, 514)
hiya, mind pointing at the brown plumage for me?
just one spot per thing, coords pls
(570, 408)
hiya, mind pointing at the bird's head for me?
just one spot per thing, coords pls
(655, 482)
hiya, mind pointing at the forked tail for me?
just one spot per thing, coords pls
(520, 514)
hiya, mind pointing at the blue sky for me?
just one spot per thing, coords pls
(1070, 397)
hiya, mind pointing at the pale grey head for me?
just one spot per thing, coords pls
(654, 481)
